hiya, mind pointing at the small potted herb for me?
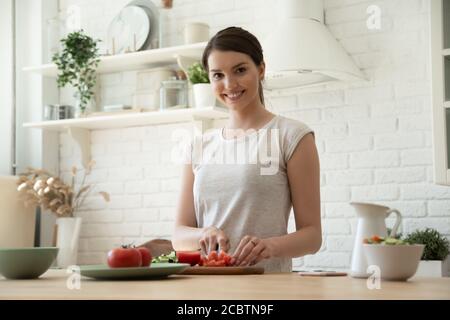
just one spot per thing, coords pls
(203, 93)
(77, 65)
(434, 261)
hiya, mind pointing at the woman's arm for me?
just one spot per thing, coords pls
(187, 236)
(303, 172)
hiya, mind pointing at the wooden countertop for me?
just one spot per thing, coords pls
(289, 286)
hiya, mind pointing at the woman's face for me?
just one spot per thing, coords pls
(235, 78)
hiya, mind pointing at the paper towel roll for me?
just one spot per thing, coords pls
(17, 223)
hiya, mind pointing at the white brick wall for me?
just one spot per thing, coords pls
(374, 137)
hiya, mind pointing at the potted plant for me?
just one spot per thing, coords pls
(434, 261)
(203, 93)
(38, 187)
(77, 65)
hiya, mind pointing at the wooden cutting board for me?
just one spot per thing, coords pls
(223, 270)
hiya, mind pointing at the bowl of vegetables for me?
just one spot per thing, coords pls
(397, 259)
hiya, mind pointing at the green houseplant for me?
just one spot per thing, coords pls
(434, 259)
(77, 65)
(197, 74)
(203, 92)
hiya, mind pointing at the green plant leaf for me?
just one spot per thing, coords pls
(436, 245)
(197, 74)
(77, 65)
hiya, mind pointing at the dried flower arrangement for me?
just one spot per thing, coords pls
(39, 188)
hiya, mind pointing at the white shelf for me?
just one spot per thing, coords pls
(134, 60)
(132, 119)
(446, 52)
(79, 129)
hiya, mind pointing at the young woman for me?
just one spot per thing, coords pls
(237, 207)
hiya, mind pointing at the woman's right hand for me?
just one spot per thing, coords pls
(211, 237)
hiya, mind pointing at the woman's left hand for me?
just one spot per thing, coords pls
(251, 250)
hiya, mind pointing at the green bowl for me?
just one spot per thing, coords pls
(26, 263)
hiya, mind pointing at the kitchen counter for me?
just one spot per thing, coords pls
(52, 285)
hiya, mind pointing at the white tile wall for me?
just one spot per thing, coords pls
(374, 137)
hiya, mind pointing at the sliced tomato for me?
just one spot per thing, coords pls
(220, 263)
(223, 256)
(212, 256)
(227, 260)
(215, 263)
(215, 259)
(377, 239)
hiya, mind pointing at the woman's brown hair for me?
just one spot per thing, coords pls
(239, 40)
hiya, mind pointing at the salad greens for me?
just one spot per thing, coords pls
(387, 241)
(166, 258)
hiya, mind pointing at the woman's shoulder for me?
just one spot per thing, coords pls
(289, 126)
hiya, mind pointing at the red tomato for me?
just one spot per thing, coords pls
(376, 239)
(146, 256)
(191, 257)
(124, 257)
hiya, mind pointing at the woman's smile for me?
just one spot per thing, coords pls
(233, 97)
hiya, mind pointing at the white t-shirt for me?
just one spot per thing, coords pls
(241, 184)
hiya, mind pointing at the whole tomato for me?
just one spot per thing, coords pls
(124, 257)
(146, 256)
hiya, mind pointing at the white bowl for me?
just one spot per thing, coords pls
(396, 262)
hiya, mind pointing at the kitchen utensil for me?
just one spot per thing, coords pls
(223, 270)
(371, 221)
(26, 263)
(155, 271)
(396, 262)
(322, 273)
(65, 112)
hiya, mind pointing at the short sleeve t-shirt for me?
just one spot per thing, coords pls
(241, 184)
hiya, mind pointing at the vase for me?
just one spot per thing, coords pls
(203, 95)
(195, 32)
(79, 113)
(67, 237)
(433, 268)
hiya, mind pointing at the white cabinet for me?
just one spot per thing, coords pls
(440, 71)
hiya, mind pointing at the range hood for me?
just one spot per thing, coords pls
(301, 51)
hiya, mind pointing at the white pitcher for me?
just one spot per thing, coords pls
(371, 221)
(67, 241)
